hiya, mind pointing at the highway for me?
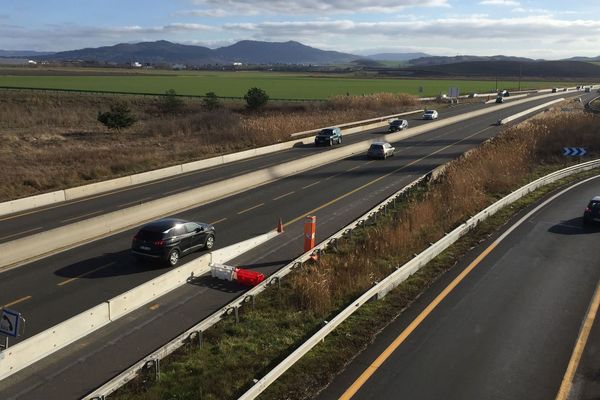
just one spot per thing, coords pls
(505, 330)
(53, 289)
(38, 220)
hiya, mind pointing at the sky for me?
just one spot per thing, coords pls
(548, 29)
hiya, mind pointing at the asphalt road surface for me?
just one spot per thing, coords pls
(506, 331)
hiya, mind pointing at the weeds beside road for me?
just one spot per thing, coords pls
(234, 354)
(52, 141)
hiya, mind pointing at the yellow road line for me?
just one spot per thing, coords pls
(312, 184)
(12, 303)
(251, 208)
(351, 391)
(154, 307)
(567, 382)
(380, 178)
(82, 216)
(217, 221)
(20, 233)
(284, 195)
(84, 274)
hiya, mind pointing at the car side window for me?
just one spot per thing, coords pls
(177, 230)
(191, 227)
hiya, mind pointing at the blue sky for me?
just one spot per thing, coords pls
(548, 29)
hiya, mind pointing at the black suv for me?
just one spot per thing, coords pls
(592, 211)
(168, 239)
(329, 136)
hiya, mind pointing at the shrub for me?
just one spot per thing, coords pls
(210, 101)
(256, 98)
(119, 117)
(170, 103)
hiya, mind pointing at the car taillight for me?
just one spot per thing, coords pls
(135, 238)
(159, 243)
(587, 209)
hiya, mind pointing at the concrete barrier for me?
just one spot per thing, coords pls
(135, 298)
(98, 187)
(19, 251)
(29, 203)
(155, 175)
(529, 111)
(25, 353)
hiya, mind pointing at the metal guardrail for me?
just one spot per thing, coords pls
(402, 273)
(590, 106)
(195, 332)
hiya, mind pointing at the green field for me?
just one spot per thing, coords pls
(235, 84)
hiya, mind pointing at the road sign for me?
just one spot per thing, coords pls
(574, 151)
(453, 92)
(9, 323)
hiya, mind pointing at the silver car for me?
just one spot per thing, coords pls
(381, 150)
(430, 114)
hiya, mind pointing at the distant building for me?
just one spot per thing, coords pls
(237, 64)
(31, 62)
(179, 66)
(136, 64)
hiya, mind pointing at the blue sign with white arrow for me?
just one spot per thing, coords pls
(574, 151)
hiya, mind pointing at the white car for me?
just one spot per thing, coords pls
(430, 114)
(381, 150)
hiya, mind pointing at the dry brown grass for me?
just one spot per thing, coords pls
(468, 185)
(52, 140)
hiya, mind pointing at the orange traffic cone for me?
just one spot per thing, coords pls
(280, 226)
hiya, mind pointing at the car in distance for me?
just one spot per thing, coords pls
(499, 99)
(381, 150)
(430, 114)
(592, 211)
(397, 125)
(167, 240)
(329, 136)
(504, 93)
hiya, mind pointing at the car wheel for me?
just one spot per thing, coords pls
(173, 257)
(586, 222)
(210, 242)
(331, 142)
(340, 141)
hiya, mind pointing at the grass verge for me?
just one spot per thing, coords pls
(233, 354)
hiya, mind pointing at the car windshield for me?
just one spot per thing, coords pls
(429, 112)
(327, 132)
(397, 122)
(594, 205)
(376, 147)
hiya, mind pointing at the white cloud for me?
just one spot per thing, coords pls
(511, 3)
(221, 8)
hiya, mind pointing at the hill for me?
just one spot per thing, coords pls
(396, 56)
(441, 60)
(164, 52)
(255, 52)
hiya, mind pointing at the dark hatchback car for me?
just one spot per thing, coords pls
(168, 239)
(592, 211)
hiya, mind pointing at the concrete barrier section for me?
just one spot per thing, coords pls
(97, 188)
(201, 164)
(155, 175)
(28, 203)
(146, 292)
(47, 342)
